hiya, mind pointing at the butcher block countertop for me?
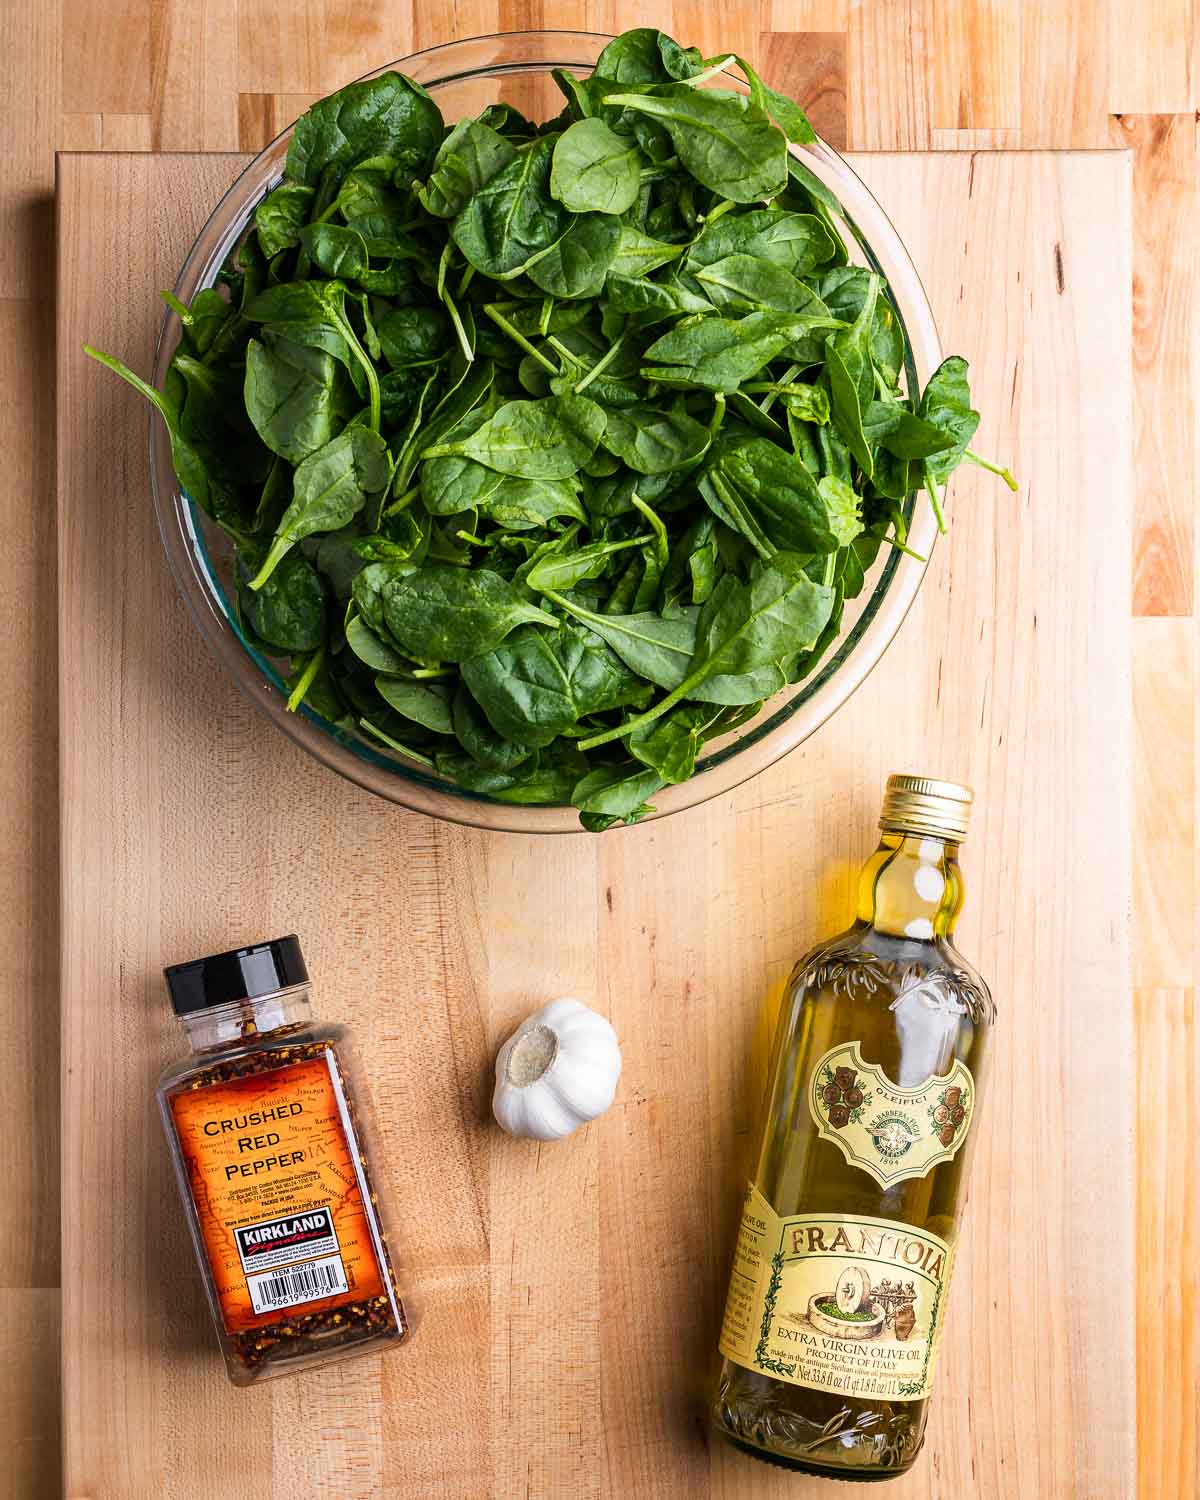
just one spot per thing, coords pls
(572, 1292)
(1042, 172)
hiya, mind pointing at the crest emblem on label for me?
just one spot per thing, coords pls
(889, 1131)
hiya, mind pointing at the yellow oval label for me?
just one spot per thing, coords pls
(889, 1131)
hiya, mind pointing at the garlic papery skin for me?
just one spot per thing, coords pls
(557, 1071)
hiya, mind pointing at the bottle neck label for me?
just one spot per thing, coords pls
(891, 1133)
(837, 1302)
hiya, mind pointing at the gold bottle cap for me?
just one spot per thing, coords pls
(928, 808)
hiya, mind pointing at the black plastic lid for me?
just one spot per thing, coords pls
(240, 974)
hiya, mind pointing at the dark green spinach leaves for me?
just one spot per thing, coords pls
(547, 453)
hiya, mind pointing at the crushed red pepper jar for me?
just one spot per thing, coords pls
(266, 1128)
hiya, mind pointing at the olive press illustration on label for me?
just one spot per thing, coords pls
(891, 1132)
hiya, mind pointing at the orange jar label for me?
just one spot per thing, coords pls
(273, 1176)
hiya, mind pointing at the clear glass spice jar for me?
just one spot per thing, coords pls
(265, 1125)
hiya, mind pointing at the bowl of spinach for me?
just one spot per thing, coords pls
(554, 430)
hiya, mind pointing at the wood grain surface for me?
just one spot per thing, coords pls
(216, 75)
(571, 1293)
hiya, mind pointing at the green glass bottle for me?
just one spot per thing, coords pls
(837, 1294)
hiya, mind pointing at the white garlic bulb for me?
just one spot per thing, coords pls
(558, 1070)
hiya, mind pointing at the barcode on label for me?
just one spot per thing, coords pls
(296, 1284)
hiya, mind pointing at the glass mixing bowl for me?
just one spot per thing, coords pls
(464, 77)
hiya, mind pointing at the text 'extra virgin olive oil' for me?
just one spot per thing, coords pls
(837, 1295)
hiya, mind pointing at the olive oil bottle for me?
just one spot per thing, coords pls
(837, 1294)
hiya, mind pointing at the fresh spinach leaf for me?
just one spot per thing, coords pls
(852, 381)
(748, 630)
(616, 793)
(786, 113)
(329, 489)
(652, 301)
(389, 114)
(371, 649)
(946, 405)
(512, 219)
(720, 354)
(289, 613)
(470, 156)
(443, 613)
(658, 649)
(369, 203)
(558, 572)
(633, 57)
(796, 243)
(841, 507)
(655, 442)
(577, 263)
(542, 684)
(727, 143)
(526, 504)
(890, 425)
(639, 253)
(763, 491)
(336, 250)
(291, 395)
(411, 336)
(480, 740)
(669, 745)
(280, 217)
(594, 170)
(546, 776)
(425, 703)
(547, 439)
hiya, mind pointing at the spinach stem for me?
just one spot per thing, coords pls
(300, 691)
(360, 354)
(547, 309)
(386, 739)
(155, 397)
(718, 65)
(517, 337)
(1008, 477)
(660, 170)
(773, 388)
(565, 354)
(662, 547)
(648, 717)
(280, 548)
(897, 513)
(443, 264)
(601, 364)
(180, 309)
(908, 551)
(463, 342)
(465, 279)
(934, 498)
(402, 503)
(830, 566)
(715, 213)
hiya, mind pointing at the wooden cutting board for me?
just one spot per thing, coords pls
(571, 1293)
